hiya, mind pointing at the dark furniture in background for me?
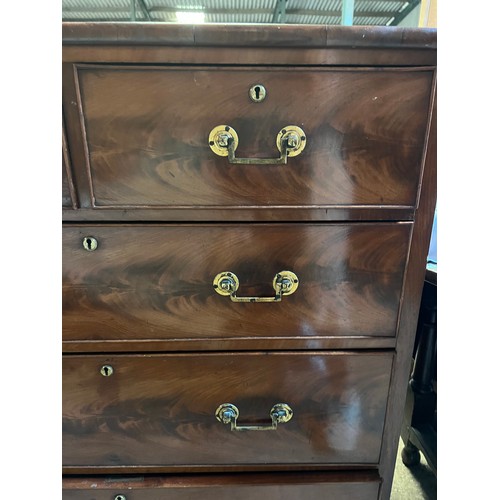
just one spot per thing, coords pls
(419, 431)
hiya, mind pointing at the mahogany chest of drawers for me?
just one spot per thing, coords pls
(246, 217)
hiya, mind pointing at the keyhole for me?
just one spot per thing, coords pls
(89, 243)
(107, 371)
(257, 93)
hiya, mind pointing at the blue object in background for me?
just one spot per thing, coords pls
(432, 255)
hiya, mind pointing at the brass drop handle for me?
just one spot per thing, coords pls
(227, 413)
(284, 283)
(290, 141)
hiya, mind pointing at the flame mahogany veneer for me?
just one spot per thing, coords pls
(151, 215)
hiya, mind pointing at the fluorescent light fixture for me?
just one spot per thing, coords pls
(190, 17)
(404, 6)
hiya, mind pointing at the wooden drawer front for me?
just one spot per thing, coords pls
(279, 486)
(156, 281)
(159, 410)
(147, 131)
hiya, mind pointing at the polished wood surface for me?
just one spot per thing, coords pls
(229, 44)
(72, 135)
(159, 410)
(351, 216)
(68, 190)
(277, 486)
(156, 281)
(148, 143)
(66, 193)
(246, 36)
(415, 274)
(313, 56)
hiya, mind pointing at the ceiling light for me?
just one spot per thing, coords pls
(190, 17)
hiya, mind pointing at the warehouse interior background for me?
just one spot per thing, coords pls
(410, 13)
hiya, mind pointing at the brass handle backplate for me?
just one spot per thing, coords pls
(290, 141)
(227, 413)
(284, 283)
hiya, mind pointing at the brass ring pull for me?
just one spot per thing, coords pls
(284, 283)
(290, 141)
(227, 413)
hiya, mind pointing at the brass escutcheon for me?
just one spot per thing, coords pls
(107, 371)
(226, 283)
(89, 243)
(220, 137)
(286, 282)
(257, 92)
(295, 140)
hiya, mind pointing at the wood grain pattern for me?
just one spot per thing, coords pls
(413, 286)
(148, 141)
(278, 486)
(159, 410)
(279, 56)
(155, 282)
(138, 101)
(68, 190)
(74, 135)
(228, 35)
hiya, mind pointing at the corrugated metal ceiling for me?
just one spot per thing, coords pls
(366, 12)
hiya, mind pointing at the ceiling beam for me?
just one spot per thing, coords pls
(132, 10)
(144, 9)
(279, 13)
(294, 12)
(347, 13)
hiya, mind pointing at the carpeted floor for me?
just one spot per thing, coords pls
(415, 483)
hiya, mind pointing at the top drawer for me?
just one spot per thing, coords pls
(147, 128)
